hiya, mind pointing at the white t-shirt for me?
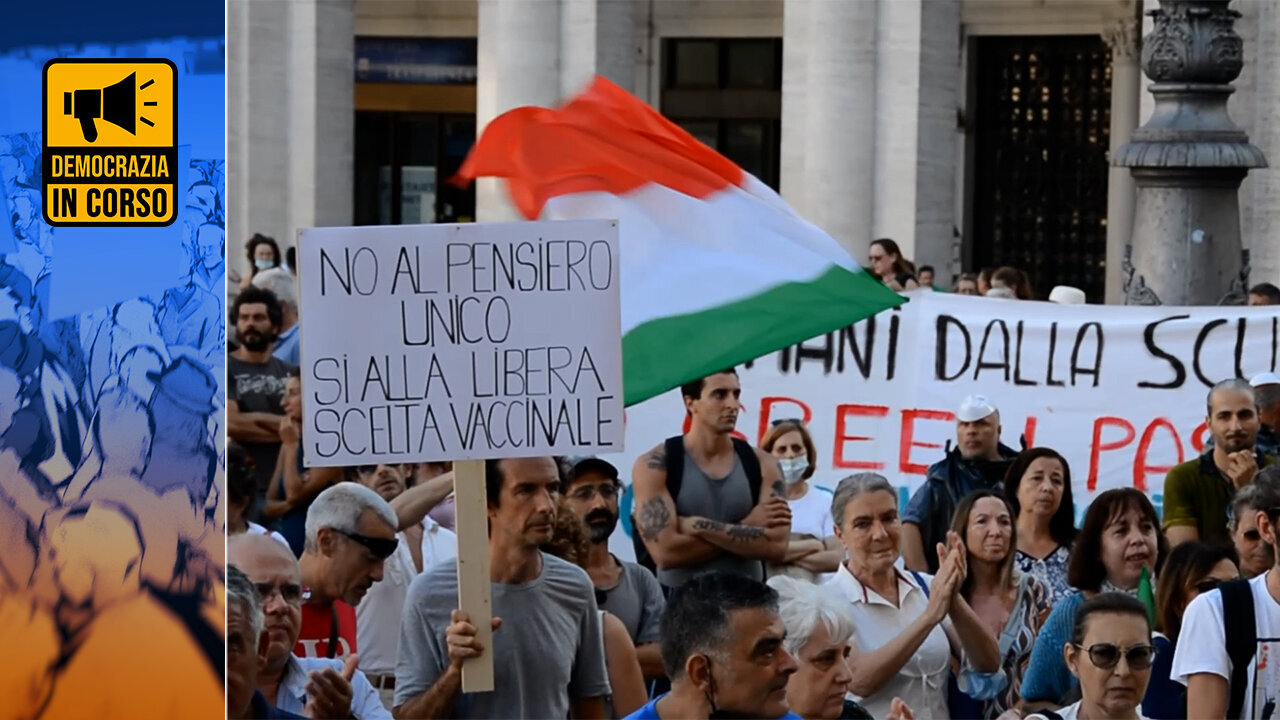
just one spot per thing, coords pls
(1072, 712)
(922, 682)
(1202, 646)
(379, 611)
(811, 513)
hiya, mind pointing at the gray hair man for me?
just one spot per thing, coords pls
(1255, 554)
(350, 532)
(282, 283)
(246, 650)
(1266, 390)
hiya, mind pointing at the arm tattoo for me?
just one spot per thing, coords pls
(656, 459)
(654, 516)
(738, 533)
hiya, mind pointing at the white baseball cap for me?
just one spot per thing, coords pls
(975, 407)
(1266, 378)
(1067, 295)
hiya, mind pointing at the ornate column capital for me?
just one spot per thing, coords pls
(1124, 37)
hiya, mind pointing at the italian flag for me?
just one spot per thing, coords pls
(716, 269)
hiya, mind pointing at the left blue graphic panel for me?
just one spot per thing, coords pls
(112, 367)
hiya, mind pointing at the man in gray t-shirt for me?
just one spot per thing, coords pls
(624, 589)
(548, 651)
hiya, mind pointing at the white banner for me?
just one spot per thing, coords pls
(457, 342)
(1119, 391)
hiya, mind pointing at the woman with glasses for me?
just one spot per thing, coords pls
(888, 264)
(907, 626)
(1119, 541)
(1192, 568)
(814, 551)
(1038, 489)
(1010, 604)
(1110, 654)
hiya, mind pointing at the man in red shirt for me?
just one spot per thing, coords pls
(351, 530)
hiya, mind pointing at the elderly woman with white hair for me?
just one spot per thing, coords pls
(819, 625)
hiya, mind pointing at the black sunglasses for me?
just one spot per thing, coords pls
(380, 547)
(1105, 656)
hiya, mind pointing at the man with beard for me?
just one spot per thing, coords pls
(423, 544)
(314, 687)
(350, 533)
(1198, 493)
(548, 648)
(624, 589)
(256, 381)
(722, 647)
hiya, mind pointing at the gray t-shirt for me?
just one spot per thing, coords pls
(637, 601)
(727, 499)
(549, 649)
(259, 387)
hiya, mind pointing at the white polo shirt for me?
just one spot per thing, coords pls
(922, 682)
(378, 614)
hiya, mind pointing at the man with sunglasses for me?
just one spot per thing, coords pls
(350, 532)
(1256, 556)
(624, 589)
(1231, 635)
(317, 687)
(423, 545)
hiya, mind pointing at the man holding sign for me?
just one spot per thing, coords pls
(548, 656)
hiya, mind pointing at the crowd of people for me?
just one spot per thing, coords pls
(755, 592)
(893, 269)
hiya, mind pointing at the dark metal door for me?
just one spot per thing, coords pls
(1043, 119)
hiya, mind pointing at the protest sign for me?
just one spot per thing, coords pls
(461, 342)
(455, 342)
(1119, 391)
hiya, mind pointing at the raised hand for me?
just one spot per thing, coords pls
(330, 691)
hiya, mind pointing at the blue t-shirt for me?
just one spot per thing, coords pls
(650, 712)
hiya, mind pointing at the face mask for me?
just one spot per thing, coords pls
(793, 468)
(264, 264)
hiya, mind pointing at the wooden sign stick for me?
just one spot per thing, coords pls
(471, 519)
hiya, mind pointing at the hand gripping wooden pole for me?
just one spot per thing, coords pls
(471, 520)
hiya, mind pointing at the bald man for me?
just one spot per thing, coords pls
(315, 687)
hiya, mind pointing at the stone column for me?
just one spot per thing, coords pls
(1126, 80)
(1188, 161)
(1260, 193)
(828, 121)
(291, 120)
(538, 52)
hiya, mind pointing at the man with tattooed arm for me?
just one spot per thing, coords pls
(706, 501)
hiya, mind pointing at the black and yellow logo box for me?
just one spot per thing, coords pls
(110, 142)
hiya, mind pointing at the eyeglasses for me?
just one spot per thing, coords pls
(1105, 656)
(587, 493)
(380, 547)
(289, 592)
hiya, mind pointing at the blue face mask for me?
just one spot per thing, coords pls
(793, 468)
(264, 264)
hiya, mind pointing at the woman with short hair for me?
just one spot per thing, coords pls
(908, 626)
(813, 551)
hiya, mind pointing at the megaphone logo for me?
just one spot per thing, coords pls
(114, 104)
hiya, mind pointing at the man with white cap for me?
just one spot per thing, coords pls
(977, 462)
(1198, 492)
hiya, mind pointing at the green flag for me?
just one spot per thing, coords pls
(1147, 595)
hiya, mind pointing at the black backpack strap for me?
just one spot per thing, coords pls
(751, 466)
(674, 448)
(1242, 638)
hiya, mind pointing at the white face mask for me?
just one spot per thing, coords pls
(793, 468)
(264, 264)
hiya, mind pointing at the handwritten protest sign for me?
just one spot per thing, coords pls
(1119, 391)
(461, 342)
(453, 342)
